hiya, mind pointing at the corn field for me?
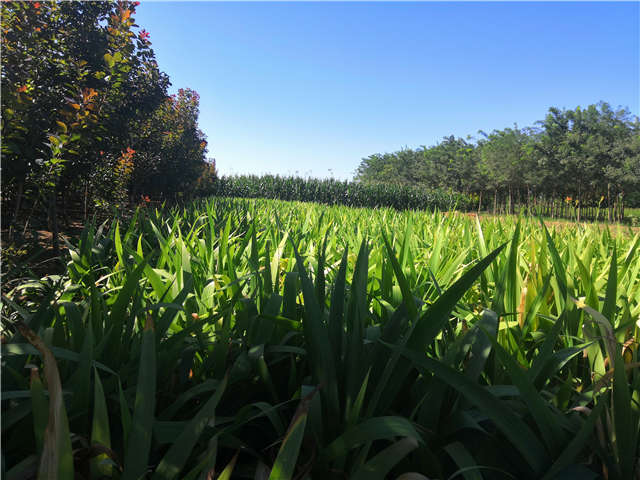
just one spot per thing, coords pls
(263, 339)
(337, 192)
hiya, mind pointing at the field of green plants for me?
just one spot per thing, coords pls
(272, 340)
(330, 191)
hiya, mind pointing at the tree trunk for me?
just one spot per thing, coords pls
(579, 200)
(53, 221)
(578, 215)
(510, 206)
(495, 200)
(16, 212)
(86, 192)
(65, 213)
(609, 206)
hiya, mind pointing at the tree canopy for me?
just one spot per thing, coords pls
(588, 155)
(85, 108)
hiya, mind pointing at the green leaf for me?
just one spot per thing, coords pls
(625, 421)
(125, 415)
(356, 318)
(39, 408)
(56, 462)
(407, 295)
(558, 266)
(174, 460)
(139, 440)
(510, 424)
(228, 470)
(320, 275)
(609, 307)
(376, 428)
(336, 311)
(100, 433)
(481, 344)
(108, 58)
(548, 423)
(424, 331)
(318, 345)
(576, 445)
(118, 314)
(379, 466)
(285, 464)
(463, 459)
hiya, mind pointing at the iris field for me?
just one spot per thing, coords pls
(263, 339)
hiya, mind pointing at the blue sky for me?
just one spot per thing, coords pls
(312, 88)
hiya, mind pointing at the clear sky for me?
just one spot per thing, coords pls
(312, 88)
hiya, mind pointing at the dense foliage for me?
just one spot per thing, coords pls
(337, 192)
(85, 113)
(583, 157)
(262, 339)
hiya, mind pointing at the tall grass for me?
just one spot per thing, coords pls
(265, 339)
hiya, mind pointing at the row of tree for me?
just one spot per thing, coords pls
(86, 117)
(578, 158)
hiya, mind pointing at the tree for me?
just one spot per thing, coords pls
(590, 153)
(502, 158)
(577, 157)
(171, 148)
(76, 81)
(379, 168)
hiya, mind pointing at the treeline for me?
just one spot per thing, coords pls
(580, 163)
(87, 122)
(337, 192)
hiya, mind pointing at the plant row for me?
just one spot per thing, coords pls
(337, 192)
